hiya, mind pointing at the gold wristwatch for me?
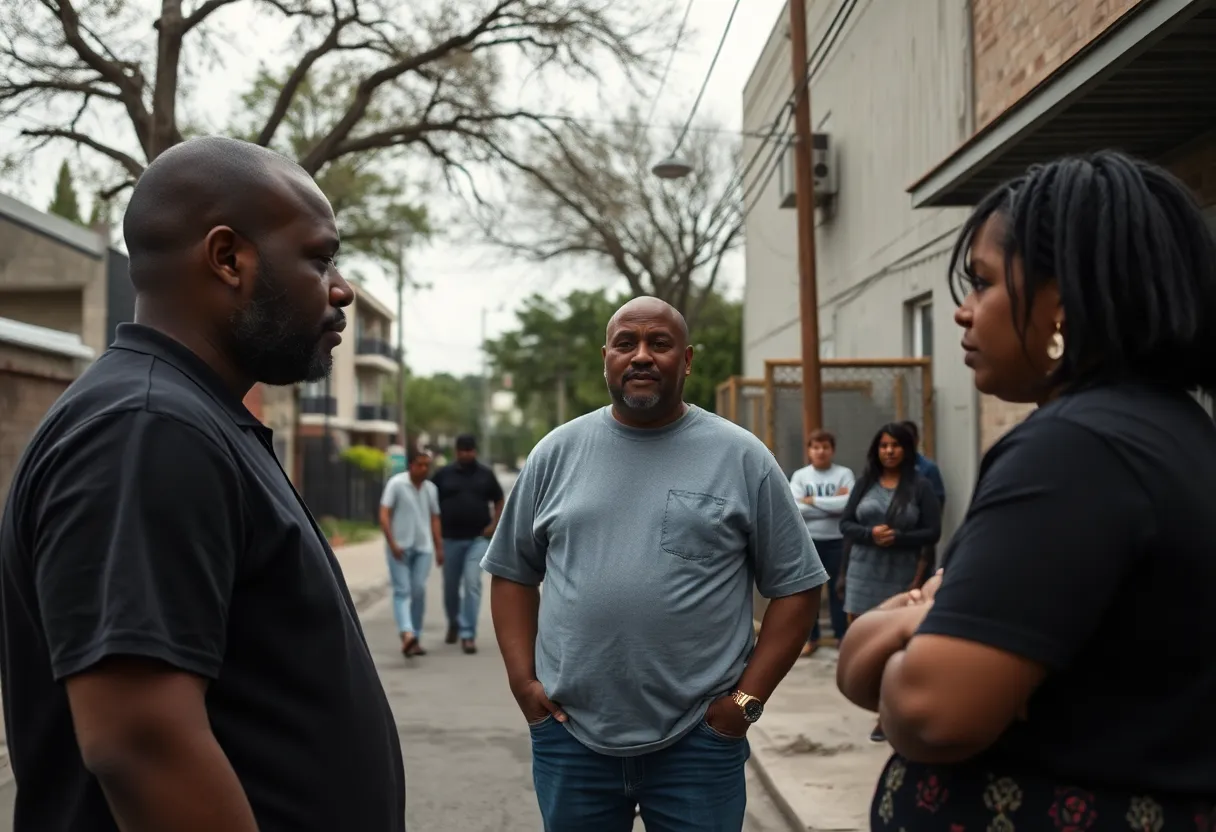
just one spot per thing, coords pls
(752, 707)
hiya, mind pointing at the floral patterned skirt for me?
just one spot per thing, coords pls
(912, 797)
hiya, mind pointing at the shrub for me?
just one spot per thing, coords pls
(369, 459)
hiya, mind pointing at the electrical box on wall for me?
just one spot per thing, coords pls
(823, 169)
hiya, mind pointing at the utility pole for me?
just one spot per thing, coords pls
(404, 439)
(808, 294)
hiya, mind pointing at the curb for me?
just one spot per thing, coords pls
(363, 597)
(766, 779)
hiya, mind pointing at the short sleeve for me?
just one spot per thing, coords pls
(517, 551)
(1054, 528)
(780, 547)
(495, 487)
(138, 523)
(389, 498)
(432, 500)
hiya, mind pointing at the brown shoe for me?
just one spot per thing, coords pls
(809, 649)
(451, 637)
(467, 645)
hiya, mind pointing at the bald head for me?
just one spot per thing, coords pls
(203, 183)
(649, 308)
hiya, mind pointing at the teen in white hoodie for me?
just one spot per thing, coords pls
(822, 491)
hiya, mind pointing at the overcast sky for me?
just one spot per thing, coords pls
(443, 322)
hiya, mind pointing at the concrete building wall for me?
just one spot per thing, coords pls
(59, 309)
(45, 254)
(894, 96)
(1018, 43)
(31, 379)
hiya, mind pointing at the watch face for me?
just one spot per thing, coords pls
(753, 709)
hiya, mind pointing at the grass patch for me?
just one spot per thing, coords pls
(346, 532)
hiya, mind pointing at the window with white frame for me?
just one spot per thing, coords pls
(920, 327)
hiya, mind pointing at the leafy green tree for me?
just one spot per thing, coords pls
(556, 347)
(65, 203)
(441, 404)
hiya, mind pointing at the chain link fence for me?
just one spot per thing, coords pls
(859, 397)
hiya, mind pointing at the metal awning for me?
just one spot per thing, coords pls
(1146, 86)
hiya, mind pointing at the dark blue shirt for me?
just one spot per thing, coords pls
(927, 468)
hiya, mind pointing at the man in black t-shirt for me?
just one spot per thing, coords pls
(179, 649)
(468, 491)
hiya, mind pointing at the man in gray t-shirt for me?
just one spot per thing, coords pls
(648, 522)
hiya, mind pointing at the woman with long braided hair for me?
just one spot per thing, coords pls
(1061, 672)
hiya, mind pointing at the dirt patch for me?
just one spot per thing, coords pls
(805, 745)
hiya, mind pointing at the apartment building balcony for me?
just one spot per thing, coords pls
(376, 353)
(318, 405)
(376, 418)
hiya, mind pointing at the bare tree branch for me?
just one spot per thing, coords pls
(127, 161)
(201, 13)
(594, 196)
(401, 79)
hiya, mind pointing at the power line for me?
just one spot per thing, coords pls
(814, 62)
(708, 75)
(618, 122)
(670, 60)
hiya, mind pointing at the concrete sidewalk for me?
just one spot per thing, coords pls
(813, 752)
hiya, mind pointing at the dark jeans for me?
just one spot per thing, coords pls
(831, 553)
(696, 785)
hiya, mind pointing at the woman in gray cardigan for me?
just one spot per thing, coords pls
(891, 517)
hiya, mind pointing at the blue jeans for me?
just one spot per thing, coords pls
(408, 576)
(831, 553)
(696, 785)
(462, 583)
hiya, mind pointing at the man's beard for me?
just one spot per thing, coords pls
(267, 340)
(634, 402)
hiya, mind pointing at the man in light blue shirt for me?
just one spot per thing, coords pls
(637, 668)
(409, 518)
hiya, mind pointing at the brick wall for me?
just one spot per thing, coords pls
(1018, 43)
(30, 382)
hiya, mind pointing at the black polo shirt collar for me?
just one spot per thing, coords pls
(143, 339)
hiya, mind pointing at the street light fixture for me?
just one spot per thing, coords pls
(673, 167)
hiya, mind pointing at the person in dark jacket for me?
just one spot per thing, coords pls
(892, 515)
(892, 519)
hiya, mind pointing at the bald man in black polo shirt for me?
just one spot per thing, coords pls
(180, 651)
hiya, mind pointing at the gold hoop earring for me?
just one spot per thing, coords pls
(1055, 349)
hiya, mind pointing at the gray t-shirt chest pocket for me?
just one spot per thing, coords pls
(692, 524)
